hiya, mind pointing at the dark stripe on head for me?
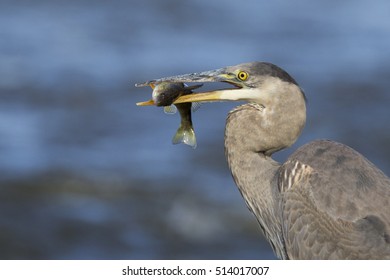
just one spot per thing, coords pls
(269, 69)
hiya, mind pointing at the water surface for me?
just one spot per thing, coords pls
(85, 174)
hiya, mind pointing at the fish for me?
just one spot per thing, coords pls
(164, 94)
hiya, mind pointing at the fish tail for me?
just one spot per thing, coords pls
(186, 135)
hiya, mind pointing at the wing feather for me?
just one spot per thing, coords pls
(335, 204)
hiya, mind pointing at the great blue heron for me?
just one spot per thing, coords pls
(326, 201)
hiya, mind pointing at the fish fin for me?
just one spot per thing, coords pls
(186, 136)
(171, 109)
(195, 106)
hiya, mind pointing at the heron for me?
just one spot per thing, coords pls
(326, 201)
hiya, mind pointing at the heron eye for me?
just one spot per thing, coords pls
(242, 75)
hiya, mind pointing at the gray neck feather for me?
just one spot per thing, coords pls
(253, 132)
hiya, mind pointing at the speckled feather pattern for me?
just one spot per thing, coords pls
(339, 210)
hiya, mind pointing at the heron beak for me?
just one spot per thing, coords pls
(233, 94)
(239, 92)
(146, 103)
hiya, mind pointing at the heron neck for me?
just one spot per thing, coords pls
(253, 132)
(255, 174)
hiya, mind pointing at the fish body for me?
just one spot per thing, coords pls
(164, 94)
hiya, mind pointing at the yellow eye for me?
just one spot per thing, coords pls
(242, 75)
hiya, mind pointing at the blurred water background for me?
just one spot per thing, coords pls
(85, 174)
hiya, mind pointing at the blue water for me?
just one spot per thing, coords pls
(86, 174)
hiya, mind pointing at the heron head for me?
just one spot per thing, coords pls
(252, 82)
(277, 110)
